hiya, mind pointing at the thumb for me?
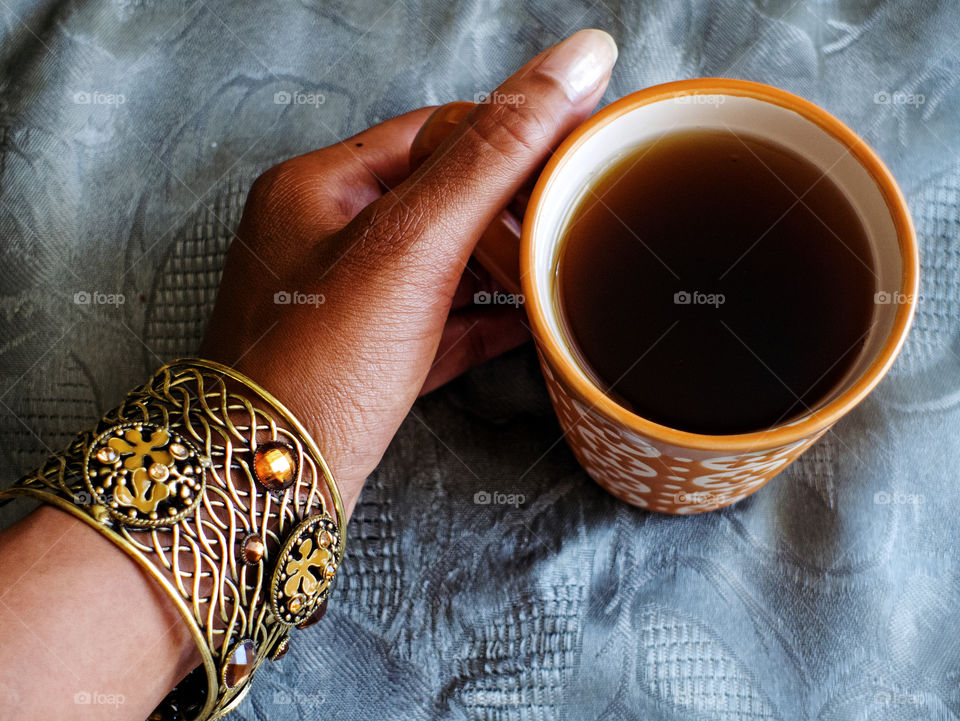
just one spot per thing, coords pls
(431, 221)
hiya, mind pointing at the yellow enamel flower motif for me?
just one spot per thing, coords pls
(145, 495)
(139, 448)
(298, 569)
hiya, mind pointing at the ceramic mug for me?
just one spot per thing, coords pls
(645, 463)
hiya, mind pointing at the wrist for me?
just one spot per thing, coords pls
(327, 418)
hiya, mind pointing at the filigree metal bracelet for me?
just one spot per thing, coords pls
(216, 489)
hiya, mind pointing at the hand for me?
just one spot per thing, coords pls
(373, 258)
(386, 250)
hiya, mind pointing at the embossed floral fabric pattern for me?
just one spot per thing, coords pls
(487, 577)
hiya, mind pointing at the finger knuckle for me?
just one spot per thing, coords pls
(513, 130)
(388, 230)
(286, 187)
(266, 187)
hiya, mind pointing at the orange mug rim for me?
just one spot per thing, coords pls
(577, 380)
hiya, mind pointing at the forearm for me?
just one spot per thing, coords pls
(86, 633)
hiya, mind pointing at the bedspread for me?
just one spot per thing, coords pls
(130, 131)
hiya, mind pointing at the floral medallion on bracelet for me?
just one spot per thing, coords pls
(144, 475)
(306, 566)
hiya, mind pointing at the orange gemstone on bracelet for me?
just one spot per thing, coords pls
(296, 604)
(252, 549)
(274, 465)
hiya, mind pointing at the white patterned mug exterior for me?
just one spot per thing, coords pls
(641, 462)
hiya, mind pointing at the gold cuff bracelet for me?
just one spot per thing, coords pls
(216, 490)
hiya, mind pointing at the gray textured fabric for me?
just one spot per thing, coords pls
(830, 594)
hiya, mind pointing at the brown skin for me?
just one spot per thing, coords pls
(387, 249)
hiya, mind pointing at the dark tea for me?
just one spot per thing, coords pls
(715, 282)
